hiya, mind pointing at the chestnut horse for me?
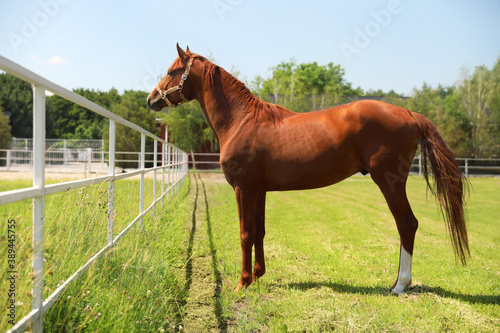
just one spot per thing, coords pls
(265, 147)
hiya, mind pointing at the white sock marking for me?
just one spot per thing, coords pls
(404, 276)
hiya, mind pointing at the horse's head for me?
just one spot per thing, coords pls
(173, 90)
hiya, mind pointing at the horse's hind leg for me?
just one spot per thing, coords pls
(393, 187)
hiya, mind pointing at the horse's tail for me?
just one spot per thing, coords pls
(449, 184)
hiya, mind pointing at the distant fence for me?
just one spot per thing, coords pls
(27, 144)
(62, 155)
(76, 160)
(204, 161)
(469, 166)
(71, 160)
(173, 169)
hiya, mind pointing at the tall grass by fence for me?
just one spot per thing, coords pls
(173, 171)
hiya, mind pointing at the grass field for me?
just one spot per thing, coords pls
(331, 255)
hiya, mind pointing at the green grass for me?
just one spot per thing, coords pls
(331, 256)
(134, 287)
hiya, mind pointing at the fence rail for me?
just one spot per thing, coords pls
(76, 160)
(173, 168)
(71, 160)
(26, 143)
(469, 166)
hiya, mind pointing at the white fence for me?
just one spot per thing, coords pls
(61, 155)
(204, 161)
(469, 166)
(84, 160)
(173, 171)
(78, 160)
(27, 144)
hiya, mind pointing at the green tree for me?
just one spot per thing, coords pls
(132, 108)
(188, 128)
(454, 125)
(305, 87)
(5, 136)
(72, 121)
(477, 92)
(442, 107)
(427, 102)
(377, 93)
(494, 108)
(16, 97)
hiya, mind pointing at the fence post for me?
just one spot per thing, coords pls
(163, 148)
(89, 160)
(179, 161)
(420, 165)
(155, 164)
(30, 151)
(179, 172)
(38, 203)
(186, 168)
(194, 162)
(176, 170)
(111, 183)
(142, 161)
(7, 163)
(466, 167)
(164, 163)
(102, 157)
(169, 167)
(65, 156)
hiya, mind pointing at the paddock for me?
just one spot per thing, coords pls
(187, 259)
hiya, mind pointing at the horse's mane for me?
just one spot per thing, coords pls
(222, 82)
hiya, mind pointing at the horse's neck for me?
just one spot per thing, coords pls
(224, 110)
(221, 115)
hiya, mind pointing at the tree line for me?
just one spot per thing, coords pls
(67, 120)
(466, 114)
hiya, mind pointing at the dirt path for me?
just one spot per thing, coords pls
(202, 286)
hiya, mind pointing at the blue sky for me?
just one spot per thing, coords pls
(388, 44)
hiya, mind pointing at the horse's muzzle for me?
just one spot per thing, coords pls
(154, 103)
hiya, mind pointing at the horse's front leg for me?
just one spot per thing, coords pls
(246, 200)
(260, 232)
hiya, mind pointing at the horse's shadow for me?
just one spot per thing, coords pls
(377, 290)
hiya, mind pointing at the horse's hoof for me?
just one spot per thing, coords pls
(241, 286)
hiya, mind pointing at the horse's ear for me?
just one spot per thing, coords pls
(181, 53)
(187, 49)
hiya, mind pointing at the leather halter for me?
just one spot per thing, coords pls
(164, 94)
